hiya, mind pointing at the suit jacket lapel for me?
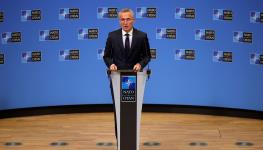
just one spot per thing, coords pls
(134, 34)
(120, 41)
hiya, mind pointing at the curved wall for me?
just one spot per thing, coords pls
(205, 78)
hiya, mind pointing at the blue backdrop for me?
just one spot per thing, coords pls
(201, 82)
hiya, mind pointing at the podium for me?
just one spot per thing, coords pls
(128, 90)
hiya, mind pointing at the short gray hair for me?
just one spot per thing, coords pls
(125, 10)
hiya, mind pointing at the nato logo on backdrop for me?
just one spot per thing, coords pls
(68, 13)
(204, 34)
(11, 37)
(222, 14)
(153, 53)
(256, 59)
(28, 15)
(242, 37)
(31, 56)
(145, 12)
(184, 54)
(69, 54)
(222, 56)
(49, 35)
(165, 33)
(100, 53)
(107, 12)
(256, 17)
(128, 88)
(1, 16)
(85, 33)
(184, 13)
(2, 58)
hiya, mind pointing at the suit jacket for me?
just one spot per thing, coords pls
(115, 53)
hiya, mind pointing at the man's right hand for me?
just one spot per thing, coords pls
(113, 67)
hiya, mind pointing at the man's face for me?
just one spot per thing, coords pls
(126, 21)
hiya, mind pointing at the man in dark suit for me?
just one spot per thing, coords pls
(126, 48)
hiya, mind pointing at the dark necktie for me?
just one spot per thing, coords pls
(127, 43)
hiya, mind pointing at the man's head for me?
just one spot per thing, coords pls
(126, 17)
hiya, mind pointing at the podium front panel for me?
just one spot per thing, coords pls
(128, 89)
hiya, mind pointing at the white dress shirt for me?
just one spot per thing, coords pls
(124, 37)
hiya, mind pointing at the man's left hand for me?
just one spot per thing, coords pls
(137, 67)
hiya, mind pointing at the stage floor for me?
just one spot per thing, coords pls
(159, 131)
